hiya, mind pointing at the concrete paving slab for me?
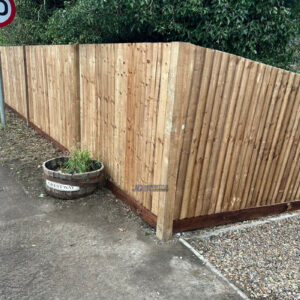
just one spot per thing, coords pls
(78, 252)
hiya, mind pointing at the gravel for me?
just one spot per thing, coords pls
(263, 261)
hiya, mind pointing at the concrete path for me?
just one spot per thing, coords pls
(78, 252)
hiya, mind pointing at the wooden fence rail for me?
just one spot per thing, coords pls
(220, 130)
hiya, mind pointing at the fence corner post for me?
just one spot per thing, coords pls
(165, 214)
(164, 226)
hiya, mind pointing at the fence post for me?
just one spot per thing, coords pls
(2, 112)
(164, 227)
(26, 84)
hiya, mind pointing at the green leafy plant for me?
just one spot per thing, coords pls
(80, 162)
(263, 30)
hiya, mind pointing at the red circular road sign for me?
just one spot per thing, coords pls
(7, 12)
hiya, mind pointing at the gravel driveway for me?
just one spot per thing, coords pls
(263, 260)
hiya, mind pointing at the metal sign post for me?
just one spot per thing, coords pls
(7, 14)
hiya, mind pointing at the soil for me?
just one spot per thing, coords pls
(23, 151)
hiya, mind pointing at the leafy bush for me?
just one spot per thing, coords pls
(263, 30)
(257, 29)
(80, 162)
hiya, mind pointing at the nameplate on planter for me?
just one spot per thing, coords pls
(62, 187)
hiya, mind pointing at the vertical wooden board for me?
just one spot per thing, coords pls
(40, 116)
(123, 112)
(142, 110)
(204, 133)
(192, 162)
(108, 105)
(17, 77)
(76, 99)
(187, 127)
(246, 146)
(161, 118)
(84, 61)
(71, 91)
(83, 79)
(61, 95)
(137, 122)
(11, 71)
(102, 88)
(109, 109)
(25, 84)
(146, 107)
(35, 92)
(107, 130)
(55, 110)
(166, 201)
(38, 86)
(29, 74)
(228, 200)
(147, 120)
(279, 127)
(65, 95)
(99, 99)
(118, 80)
(129, 149)
(288, 128)
(93, 108)
(212, 140)
(109, 117)
(45, 90)
(20, 74)
(183, 88)
(152, 62)
(113, 95)
(51, 78)
(21, 92)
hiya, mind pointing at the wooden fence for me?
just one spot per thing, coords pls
(220, 130)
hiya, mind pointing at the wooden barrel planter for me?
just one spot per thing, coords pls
(70, 186)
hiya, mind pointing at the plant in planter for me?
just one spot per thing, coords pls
(73, 177)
